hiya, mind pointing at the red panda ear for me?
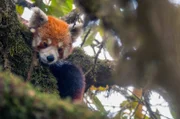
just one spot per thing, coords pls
(38, 18)
(75, 30)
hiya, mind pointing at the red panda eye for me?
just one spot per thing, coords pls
(45, 44)
(41, 19)
(60, 49)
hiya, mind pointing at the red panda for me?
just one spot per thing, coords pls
(52, 39)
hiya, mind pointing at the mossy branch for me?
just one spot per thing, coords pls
(102, 73)
(19, 100)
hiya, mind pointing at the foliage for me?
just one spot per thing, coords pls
(51, 7)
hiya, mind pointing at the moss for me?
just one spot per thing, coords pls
(44, 80)
(20, 100)
(16, 51)
(12, 40)
(81, 59)
(102, 73)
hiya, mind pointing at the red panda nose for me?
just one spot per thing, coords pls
(50, 58)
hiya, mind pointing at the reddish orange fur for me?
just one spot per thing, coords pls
(79, 95)
(56, 30)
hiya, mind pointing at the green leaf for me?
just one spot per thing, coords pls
(68, 6)
(124, 103)
(134, 105)
(56, 8)
(98, 104)
(33, 0)
(19, 9)
(54, 11)
(59, 7)
(41, 5)
(146, 117)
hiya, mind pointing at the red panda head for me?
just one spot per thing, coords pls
(52, 37)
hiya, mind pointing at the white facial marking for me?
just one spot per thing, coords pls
(49, 41)
(32, 30)
(36, 41)
(66, 52)
(60, 44)
(44, 53)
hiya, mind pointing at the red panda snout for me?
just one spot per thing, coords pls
(50, 54)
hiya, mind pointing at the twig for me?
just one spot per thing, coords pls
(6, 61)
(97, 41)
(139, 100)
(135, 110)
(31, 67)
(85, 37)
(85, 74)
(97, 54)
(96, 57)
(146, 102)
(145, 115)
(92, 46)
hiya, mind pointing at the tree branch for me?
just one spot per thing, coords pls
(22, 101)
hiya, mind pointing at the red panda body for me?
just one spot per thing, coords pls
(70, 80)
